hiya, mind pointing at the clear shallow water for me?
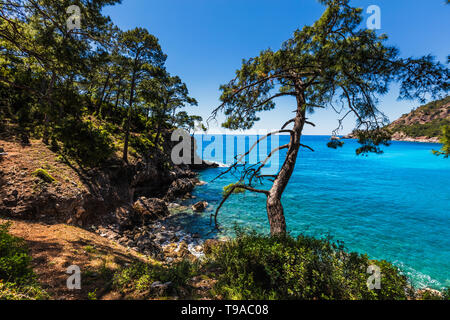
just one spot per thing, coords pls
(394, 206)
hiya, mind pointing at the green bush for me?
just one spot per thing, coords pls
(446, 294)
(17, 279)
(85, 143)
(261, 267)
(140, 276)
(445, 140)
(228, 188)
(142, 145)
(43, 175)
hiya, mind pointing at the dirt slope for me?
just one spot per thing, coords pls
(56, 247)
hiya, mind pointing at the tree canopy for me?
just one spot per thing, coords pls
(91, 92)
(332, 64)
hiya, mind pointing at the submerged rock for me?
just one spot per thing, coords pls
(200, 206)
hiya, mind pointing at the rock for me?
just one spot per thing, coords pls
(209, 244)
(156, 284)
(125, 217)
(161, 289)
(123, 240)
(15, 193)
(181, 187)
(177, 252)
(183, 250)
(200, 206)
(150, 209)
(129, 243)
(80, 213)
(204, 165)
(349, 136)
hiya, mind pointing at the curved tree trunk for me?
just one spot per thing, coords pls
(275, 210)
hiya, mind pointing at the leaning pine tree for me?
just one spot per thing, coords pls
(333, 61)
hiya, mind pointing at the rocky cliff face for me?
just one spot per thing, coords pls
(82, 197)
(423, 124)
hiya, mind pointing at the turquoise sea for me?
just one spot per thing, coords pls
(394, 206)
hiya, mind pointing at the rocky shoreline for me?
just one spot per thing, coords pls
(129, 204)
(401, 137)
(160, 238)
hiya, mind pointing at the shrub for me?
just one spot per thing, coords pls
(446, 294)
(85, 143)
(237, 190)
(17, 279)
(262, 267)
(445, 140)
(44, 175)
(140, 276)
(142, 145)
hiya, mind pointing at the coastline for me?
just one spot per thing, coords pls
(403, 138)
(152, 233)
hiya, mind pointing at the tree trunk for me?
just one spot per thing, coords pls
(128, 123)
(275, 213)
(118, 95)
(275, 210)
(99, 104)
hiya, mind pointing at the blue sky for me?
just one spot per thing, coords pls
(206, 40)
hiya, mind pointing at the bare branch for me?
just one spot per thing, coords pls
(287, 123)
(286, 146)
(241, 157)
(307, 147)
(227, 196)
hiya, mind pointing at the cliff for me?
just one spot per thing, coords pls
(423, 124)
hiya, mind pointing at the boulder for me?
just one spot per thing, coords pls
(181, 187)
(209, 244)
(125, 218)
(150, 209)
(161, 289)
(200, 206)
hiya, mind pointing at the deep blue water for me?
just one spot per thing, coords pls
(394, 206)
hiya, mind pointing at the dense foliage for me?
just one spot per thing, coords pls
(90, 93)
(429, 129)
(259, 267)
(334, 64)
(17, 279)
(139, 277)
(445, 140)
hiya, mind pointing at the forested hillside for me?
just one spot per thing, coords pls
(424, 122)
(92, 93)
